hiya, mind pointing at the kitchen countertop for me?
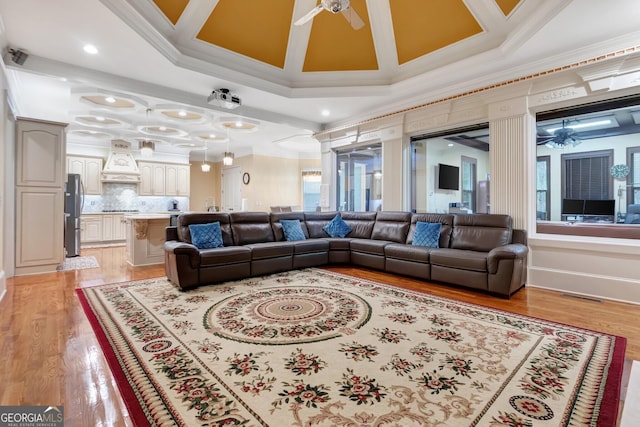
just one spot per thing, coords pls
(150, 215)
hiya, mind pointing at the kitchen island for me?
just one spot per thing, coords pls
(145, 237)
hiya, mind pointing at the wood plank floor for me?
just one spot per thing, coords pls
(50, 355)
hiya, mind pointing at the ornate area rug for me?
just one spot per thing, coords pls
(317, 348)
(79, 263)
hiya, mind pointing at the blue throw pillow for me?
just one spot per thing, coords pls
(427, 234)
(337, 227)
(206, 236)
(292, 229)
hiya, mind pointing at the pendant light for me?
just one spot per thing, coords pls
(206, 167)
(227, 160)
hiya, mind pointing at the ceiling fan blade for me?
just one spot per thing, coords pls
(353, 18)
(309, 16)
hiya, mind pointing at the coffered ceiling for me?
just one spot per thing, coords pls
(162, 59)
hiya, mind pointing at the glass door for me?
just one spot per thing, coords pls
(359, 179)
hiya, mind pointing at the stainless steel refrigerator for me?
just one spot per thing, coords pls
(73, 201)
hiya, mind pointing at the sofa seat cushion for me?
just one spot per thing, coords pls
(310, 246)
(407, 252)
(338, 244)
(270, 250)
(459, 258)
(224, 255)
(375, 247)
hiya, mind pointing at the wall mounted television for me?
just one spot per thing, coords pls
(448, 177)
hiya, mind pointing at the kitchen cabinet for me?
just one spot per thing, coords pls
(39, 204)
(90, 170)
(90, 228)
(113, 227)
(163, 179)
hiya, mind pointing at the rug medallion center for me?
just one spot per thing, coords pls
(287, 315)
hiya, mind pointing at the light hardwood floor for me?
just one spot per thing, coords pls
(50, 355)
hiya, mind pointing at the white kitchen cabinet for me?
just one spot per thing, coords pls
(184, 180)
(40, 227)
(116, 225)
(90, 169)
(39, 204)
(91, 228)
(160, 179)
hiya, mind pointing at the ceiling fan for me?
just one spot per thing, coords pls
(561, 138)
(334, 6)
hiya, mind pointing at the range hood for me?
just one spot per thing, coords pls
(120, 165)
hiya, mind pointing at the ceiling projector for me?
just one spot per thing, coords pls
(223, 98)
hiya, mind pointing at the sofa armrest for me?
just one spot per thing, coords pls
(510, 251)
(182, 248)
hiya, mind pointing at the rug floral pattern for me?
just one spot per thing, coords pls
(316, 348)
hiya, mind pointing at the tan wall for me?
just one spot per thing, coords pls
(274, 182)
(205, 187)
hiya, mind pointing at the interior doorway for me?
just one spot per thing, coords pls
(231, 189)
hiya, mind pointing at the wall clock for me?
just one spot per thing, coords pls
(619, 171)
(246, 178)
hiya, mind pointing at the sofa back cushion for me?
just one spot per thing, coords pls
(315, 221)
(445, 231)
(391, 226)
(251, 227)
(481, 232)
(187, 219)
(361, 223)
(276, 217)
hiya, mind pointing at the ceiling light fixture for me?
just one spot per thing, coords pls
(91, 49)
(147, 148)
(563, 137)
(110, 99)
(206, 167)
(227, 159)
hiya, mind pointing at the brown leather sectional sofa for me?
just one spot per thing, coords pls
(479, 251)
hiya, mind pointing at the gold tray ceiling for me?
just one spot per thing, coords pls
(261, 30)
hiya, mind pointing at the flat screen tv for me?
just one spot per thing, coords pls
(448, 177)
(572, 206)
(600, 207)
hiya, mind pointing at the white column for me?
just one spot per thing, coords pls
(511, 128)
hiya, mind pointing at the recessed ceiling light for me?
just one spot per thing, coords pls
(100, 118)
(449, 145)
(239, 124)
(110, 99)
(182, 113)
(326, 113)
(89, 48)
(163, 128)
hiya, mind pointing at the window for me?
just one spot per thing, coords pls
(586, 175)
(464, 148)
(542, 188)
(633, 179)
(311, 180)
(577, 149)
(360, 179)
(469, 182)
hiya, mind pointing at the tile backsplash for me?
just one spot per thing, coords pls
(124, 197)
